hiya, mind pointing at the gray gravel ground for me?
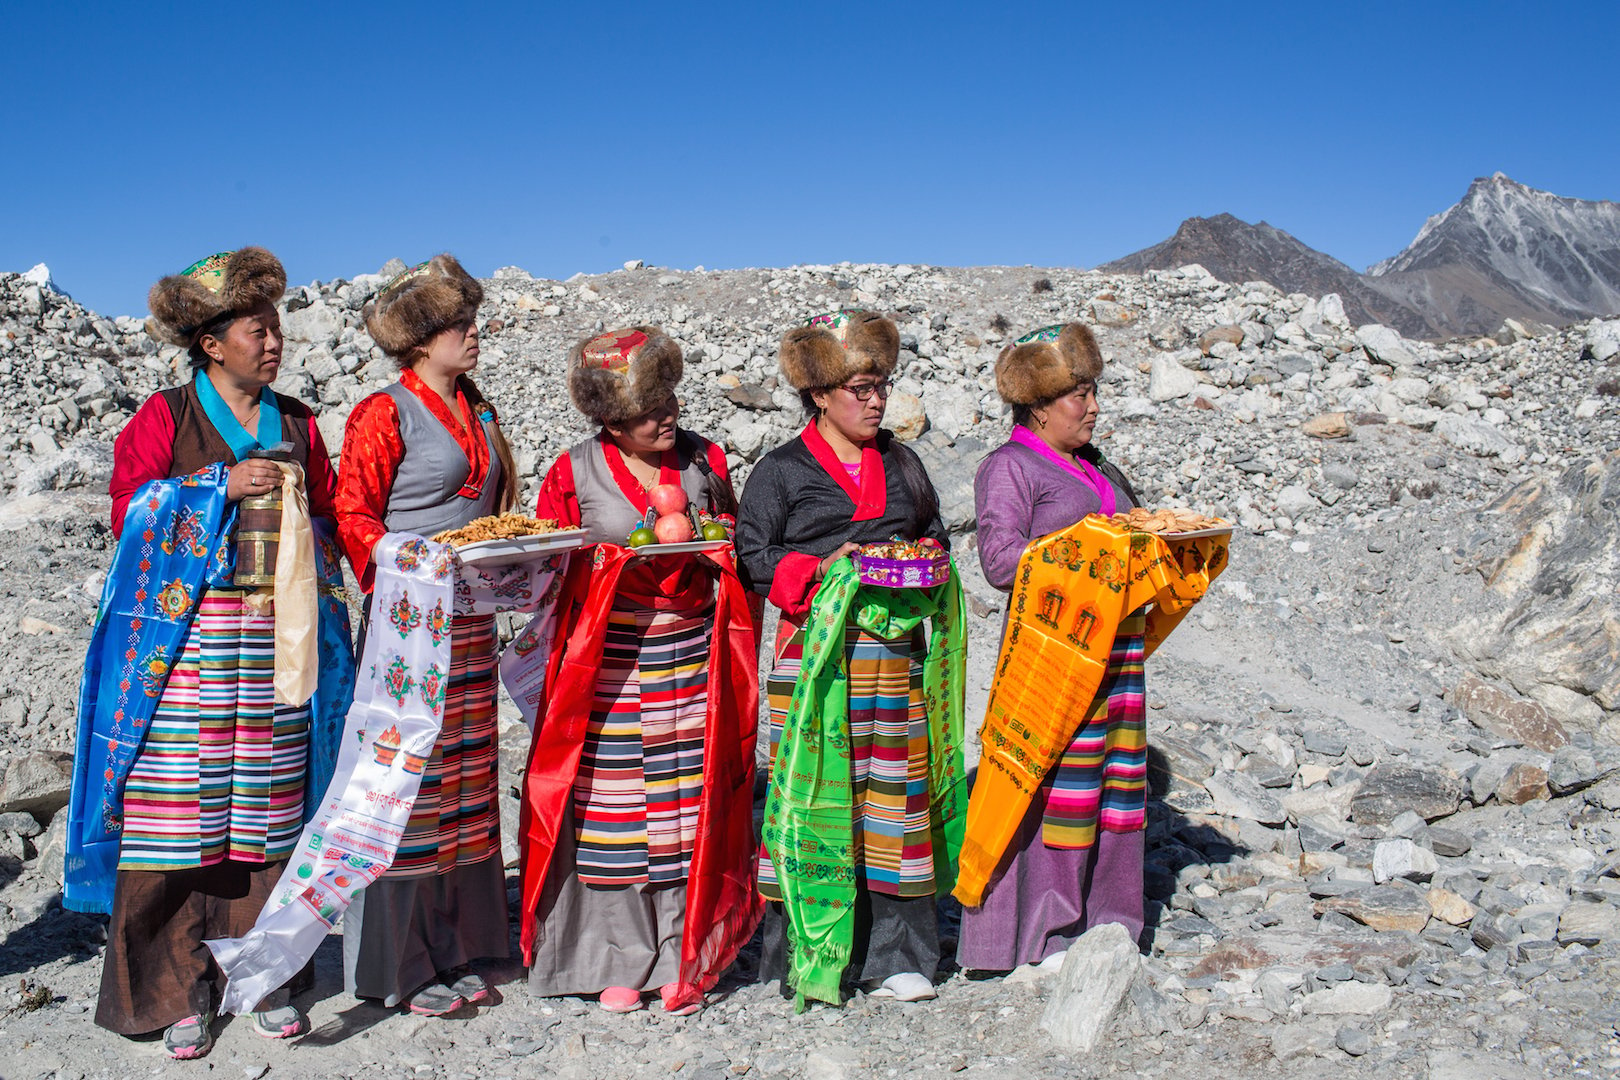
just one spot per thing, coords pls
(1383, 831)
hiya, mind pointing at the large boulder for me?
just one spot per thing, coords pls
(1091, 986)
(1390, 789)
(1556, 636)
(36, 783)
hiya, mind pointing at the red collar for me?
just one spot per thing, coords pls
(669, 472)
(871, 498)
(467, 431)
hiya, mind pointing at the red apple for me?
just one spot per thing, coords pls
(673, 529)
(667, 499)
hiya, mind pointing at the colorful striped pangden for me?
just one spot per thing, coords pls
(222, 772)
(456, 820)
(888, 731)
(640, 777)
(1101, 780)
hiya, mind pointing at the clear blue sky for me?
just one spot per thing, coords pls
(572, 137)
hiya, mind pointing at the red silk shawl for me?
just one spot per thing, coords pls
(722, 905)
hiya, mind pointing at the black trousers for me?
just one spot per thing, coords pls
(892, 935)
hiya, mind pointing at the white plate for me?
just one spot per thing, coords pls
(690, 547)
(1194, 534)
(521, 549)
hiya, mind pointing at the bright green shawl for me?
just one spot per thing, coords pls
(809, 813)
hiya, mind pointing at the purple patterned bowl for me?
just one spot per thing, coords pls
(904, 573)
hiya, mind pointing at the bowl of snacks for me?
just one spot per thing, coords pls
(903, 564)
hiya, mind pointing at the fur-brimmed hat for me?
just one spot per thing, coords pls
(419, 303)
(229, 283)
(830, 349)
(1047, 363)
(621, 374)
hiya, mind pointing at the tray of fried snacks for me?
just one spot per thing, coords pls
(1171, 521)
(510, 538)
(903, 564)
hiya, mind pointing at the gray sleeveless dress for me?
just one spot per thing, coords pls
(594, 934)
(444, 902)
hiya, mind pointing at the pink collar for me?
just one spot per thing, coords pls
(1085, 470)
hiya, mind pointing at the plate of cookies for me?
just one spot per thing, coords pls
(1169, 522)
(501, 539)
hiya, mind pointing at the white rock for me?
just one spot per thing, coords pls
(1475, 436)
(1410, 391)
(1294, 500)
(1401, 858)
(951, 409)
(1349, 999)
(1330, 309)
(1091, 986)
(1385, 346)
(745, 436)
(1133, 408)
(1168, 380)
(40, 274)
(1236, 795)
(318, 324)
(1603, 339)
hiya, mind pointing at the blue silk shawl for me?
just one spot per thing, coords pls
(177, 543)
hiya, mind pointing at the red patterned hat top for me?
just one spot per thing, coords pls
(612, 351)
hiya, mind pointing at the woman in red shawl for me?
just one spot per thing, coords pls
(637, 868)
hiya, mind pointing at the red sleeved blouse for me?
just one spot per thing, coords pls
(144, 450)
(372, 451)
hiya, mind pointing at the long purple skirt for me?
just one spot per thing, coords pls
(1041, 899)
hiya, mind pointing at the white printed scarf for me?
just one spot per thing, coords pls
(389, 735)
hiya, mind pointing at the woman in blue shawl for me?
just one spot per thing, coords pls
(193, 768)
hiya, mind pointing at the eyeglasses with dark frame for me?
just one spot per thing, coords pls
(864, 391)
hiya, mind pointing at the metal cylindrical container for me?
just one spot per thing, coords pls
(258, 530)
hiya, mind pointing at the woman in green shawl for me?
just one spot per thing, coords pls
(863, 817)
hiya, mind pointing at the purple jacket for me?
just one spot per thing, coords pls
(1020, 496)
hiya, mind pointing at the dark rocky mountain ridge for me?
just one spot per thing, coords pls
(1505, 251)
(1236, 251)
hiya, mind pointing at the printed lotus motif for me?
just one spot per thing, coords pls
(153, 671)
(432, 687)
(397, 683)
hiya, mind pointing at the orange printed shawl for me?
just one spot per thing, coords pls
(1071, 592)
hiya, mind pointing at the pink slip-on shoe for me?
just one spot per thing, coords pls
(670, 993)
(619, 999)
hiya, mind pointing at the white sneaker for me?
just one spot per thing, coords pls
(906, 986)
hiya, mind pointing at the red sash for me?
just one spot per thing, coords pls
(722, 905)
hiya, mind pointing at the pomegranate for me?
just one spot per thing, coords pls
(673, 529)
(667, 499)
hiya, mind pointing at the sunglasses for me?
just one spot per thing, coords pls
(864, 391)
